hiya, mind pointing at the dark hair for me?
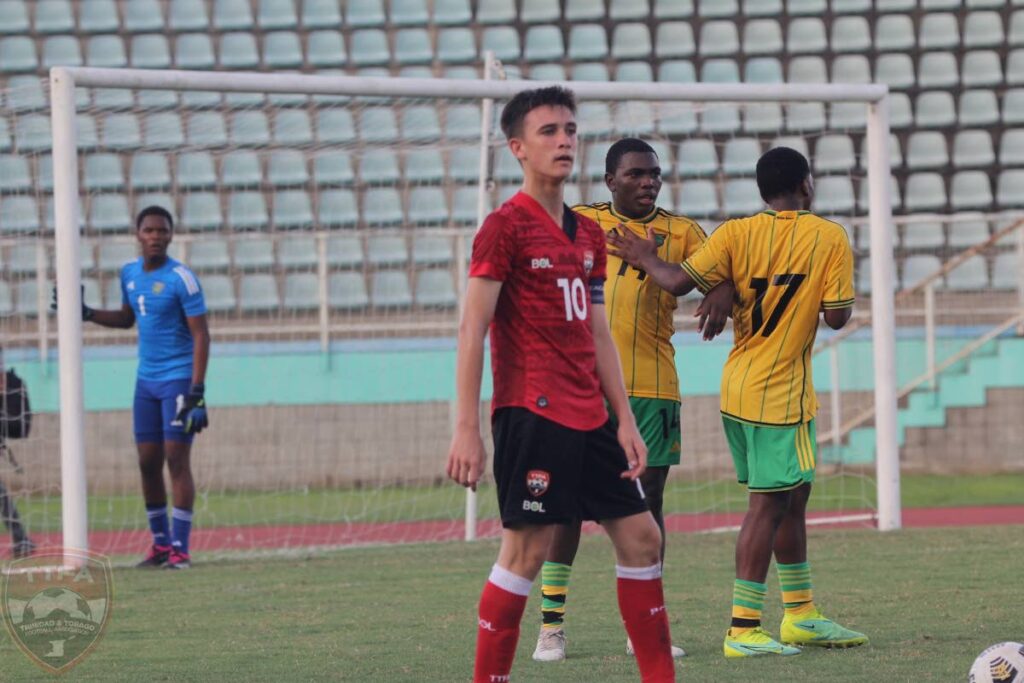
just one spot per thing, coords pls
(154, 211)
(526, 101)
(621, 149)
(780, 171)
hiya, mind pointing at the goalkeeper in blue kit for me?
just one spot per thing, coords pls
(164, 297)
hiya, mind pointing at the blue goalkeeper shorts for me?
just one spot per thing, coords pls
(156, 404)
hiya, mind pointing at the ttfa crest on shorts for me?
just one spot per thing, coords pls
(588, 261)
(537, 482)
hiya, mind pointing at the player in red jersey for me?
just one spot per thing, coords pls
(536, 279)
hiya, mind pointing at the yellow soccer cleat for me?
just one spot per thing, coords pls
(817, 630)
(755, 643)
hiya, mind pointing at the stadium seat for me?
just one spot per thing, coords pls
(431, 250)
(379, 167)
(544, 44)
(106, 51)
(386, 250)
(697, 198)
(938, 70)
(6, 143)
(103, 172)
(587, 41)
(851, 6)
(851, 34)
(939, 31)
(740, 156)
(109, 213)
(806, 35)
(187, 15)
(1007, 271)
(637, 72)
(1010, 188)
(967, 230)
(26, 294)
(292, 128)
(925, 192)
(834, 153)
(6, 299)
(61, 51)
(762, 117)
(19, 214)
(325, 48)
(113, 255)
(247, 210)
(337, 208)
(762, 8)
(238, 51)
(427, 206)
(452, 12)
(364, 13)
(194, 51)
(282, 50)
(917, 268)
(241, 168)
(419, 122)
(424, 165)
(464, 207)
(458, 45)
(464, 162)
(496, 11)
(741, 197)
(121, 131)
(595, 119)
(208, 254)
(927, 149)
(677, 71)
(539, 12)
(32, 133)
(807, 70)
(1015, 34)
(150, 51)
(435, 288)
(720, 70)
(895, 70)
(287, 167)
(762, 37)
(506, 166)
(344, 251)
(718, 38)
(347, 291)
(674, 39)
(796, 7)
(851, 69)
(935, 109)
(321, 14)
(25, 93)
(895, 5)
(1015, 67)
(970, 190)
(141, 16)
(973, 148)
(162, 130)
(257, 292)
(201, 211)
(834, 195)
(14, 174)
(1013, 107)
(335, 127)
(923, 235)
(763, 70)
(972, 274)
(54, 16)
(292, 210)
(195, 170)
(219, 293)
(1011, 148)
(369, 46)
(412, 46)
(584, 10)
(983, 29)
(378, 124)
(14, 17)
(232, 15)
(276, 14)
(717, 8)
(254, 254)
(894, 32)
(249, 128)
(301, 291)
(635, 118)
(548, 72)
(901, 113)
(982, 68)
(17, 54)
(382, 206)
(333, 168)
(390, 289)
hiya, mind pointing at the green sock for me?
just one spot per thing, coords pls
(554, 578)
(795, 581)
(747, 603)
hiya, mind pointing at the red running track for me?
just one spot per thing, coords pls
(362, 533)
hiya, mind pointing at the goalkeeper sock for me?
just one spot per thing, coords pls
(642, 605)
(747, 603)
(157, 515)
(182, 528)
(554, 577)
(501, 609)
(795, 581)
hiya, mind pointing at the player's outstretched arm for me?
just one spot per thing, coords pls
(466, 455)
(609, 373)
(121, 319)
(643, 255)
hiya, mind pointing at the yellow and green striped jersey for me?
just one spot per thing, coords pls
(640, 312)
(787, 266)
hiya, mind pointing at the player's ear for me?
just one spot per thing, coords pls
(609, 180)
(515, 145)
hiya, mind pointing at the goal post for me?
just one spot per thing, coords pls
(65, 80)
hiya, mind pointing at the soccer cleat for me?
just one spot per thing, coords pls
(754, 643)
(23, 548)
(677, 652)
(156, 557)
(179, 560)
(816, 629)
(550, 645)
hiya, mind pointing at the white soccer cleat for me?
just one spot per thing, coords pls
(677, 652)
(550, 645)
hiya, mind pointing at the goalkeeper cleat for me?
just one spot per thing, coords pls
(23, 548)
(179, 560)
(677, 652)
(550, 645)
(156, 557)
(816, 629)
(754, 643)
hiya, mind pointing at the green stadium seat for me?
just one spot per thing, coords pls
(1007, 271)
(1015, 67)
(26, 294)
(719, 71)
(895, 70)
(973, 148)
(241, 168)
(321, 14)
(254, 254)
(150, 51)
(382, 206)
(938, 70)
(378, 124)
(409, 13)
(894, 32)
(419, 122)
(851, 6)
(834, 195)
(464, 205)
(674, 39)
(719, 38)
(851, 69)
(14, 17)
(634, 118)
(762, 8)
(287, 167)
(464, 163)
(276, 14)
(369, 46)
(54, 16)
(797, 7)
(763, 70)
(195, 170)
(850, 34)
(21, 258)
(452, 12)
(457, 45)
(596, 72)
(586, 41)
(162, 130)
(344, 251)
(673, 9)
(103, 172)
(741, 197)
(194, 51)
(424, 165)
(472, 73)
(379, 167)
(106, 51)
(333, 168)
(282, 50)
(619, 10)
(435, 288)
(219, 293)
(292, 210)
(292, 127)
(14, 174)
(335, 127)
(983, 29)
(121, 131)
(918, 267)
(347, 291)
(301, 291)
(427, 206)
(17, 54)
(762, 37)
(257, 292)
(970, 190)
(506, 166)
(717, 8)
(1010, 192)
(25, 93)
(326, 48)
(390, 289)
(386, 250)
(208, 254)
(935, 109)
(297, 252)
(939, 31)
(19, 214)
(637, 72)
(895, 5)
(926, 235)
(740, 156)
(495, 11)
(544, 44)
(187, 15)
(238, 51)
(412, 46)
(834, 153)
(431, 250)
(142, 16)
(925, 192)
(982, 68)
(113, 255)
(1011, 148)
(806, 35)
(6, 143)
(901, 113)
(763, 117)
(1013, 107)
(1015, 34)
(539, 12)
(61, 51)
(548, 72)
(807, 70)
(978, 108)
(677, 118)
(934, 5)
(109, 213)
(32, 133)
(232, 15)
(337, 208)
(249, 128)
(201, 211)
(364, 13)
(247, 210)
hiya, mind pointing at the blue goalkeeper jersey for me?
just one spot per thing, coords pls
(161, 300)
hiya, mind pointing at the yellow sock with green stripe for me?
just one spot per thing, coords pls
(554, 577)
(747, 603)
(795, 580)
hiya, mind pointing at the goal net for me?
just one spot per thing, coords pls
(329, 221)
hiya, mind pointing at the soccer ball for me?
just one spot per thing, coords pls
(1001, 663)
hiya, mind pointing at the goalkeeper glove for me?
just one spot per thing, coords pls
(87, 312)
(192, 414)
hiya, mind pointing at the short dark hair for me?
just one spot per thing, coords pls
(621, 149)
(780, 171)
(154, 211)
(526, 101)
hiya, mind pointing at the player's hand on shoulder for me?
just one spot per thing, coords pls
(466, 457)
(714, 310)
(629, 247)
(192, 414)
(636, 450)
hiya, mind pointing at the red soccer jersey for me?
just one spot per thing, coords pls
(542, 347)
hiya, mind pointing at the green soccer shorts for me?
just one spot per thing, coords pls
(658, 422)
(772, 458)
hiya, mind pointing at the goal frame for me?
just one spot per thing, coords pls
(64, 80)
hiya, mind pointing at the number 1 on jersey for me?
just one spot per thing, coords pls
(142, 304)
(575, 296)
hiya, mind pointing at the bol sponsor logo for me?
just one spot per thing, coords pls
(534, 506)
(56, 605)
(543, 262)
